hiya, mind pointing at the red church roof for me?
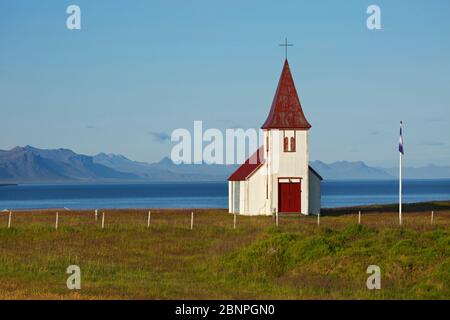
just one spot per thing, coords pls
(286, 111)
(249, 166)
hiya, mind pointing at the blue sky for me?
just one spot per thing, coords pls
(139, 69)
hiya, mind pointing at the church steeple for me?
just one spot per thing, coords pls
(286, 111)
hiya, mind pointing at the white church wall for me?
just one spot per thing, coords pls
(314, 193)
(232, 205)
(234, 197)
(290, 164)
(230, 197)
(257, 193)
(242, 196)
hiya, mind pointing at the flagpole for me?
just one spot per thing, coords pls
(400, 182)
(400, 190)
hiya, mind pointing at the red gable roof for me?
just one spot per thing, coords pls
(286, 111)
(249, 166)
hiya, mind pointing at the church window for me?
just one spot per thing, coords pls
(292, 144)
(286, 144)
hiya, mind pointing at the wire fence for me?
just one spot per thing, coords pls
(199, 218)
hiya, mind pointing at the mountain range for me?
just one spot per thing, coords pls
(33, 165)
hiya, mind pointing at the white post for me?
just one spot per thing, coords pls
(359, 217)
(9, 219)
(192, 220)
(149, 219)
(96, 214)
(318, 219)
(234, 221)
(103, 220)
(276, 217)
(400, 190)
(56, 221)
(432, 217)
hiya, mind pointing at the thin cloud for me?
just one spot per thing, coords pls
(433, 144)
(436, 120)
(160, 136)
(88, 126)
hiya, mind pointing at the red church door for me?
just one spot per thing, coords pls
(289, 197)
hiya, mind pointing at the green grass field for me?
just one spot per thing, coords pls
(297, 260)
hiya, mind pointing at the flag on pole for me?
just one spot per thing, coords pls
(401, 153)
(400, 145)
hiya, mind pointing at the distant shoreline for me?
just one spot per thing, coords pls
(224, 181)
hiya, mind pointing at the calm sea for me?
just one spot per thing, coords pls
(204, 195)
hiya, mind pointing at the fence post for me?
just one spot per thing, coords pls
(9, 219)
(149, 219)
(56, 221)
(234, 221)
(318, 219)
(432, 217)
(276, 218)
(192, 220)
(103, 220)
(359, 217)
(96, 214)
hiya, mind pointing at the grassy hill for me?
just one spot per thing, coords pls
(297, 260)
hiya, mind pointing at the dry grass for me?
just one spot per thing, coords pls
(213, 261)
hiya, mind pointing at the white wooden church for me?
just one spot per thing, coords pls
(277, 177)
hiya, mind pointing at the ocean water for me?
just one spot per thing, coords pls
(205, 194)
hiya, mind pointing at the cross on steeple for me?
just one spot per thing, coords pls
(286, 45)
